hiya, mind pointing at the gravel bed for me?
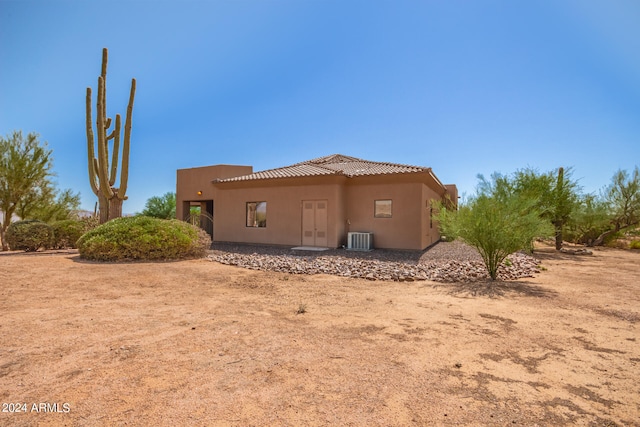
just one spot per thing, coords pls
(443, 262)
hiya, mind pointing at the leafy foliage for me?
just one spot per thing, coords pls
(623, 198)
(143, 238)
(29, 235)
(555, 194)
(589, 221)
(24, 165)
(161, 206)
(47, 204)
(67, 232)
(505, 216)
(26, 188)
(556, 198)
(495, 226)
(89, 223)
(615, 209)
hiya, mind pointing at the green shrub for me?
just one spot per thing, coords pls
(495, 226)
(89, 223)
(29, 235)
(67, 232)
(635, 244)
(143, 238)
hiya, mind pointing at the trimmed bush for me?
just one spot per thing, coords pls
(29, 235)
(67, 232)
(143, 238)
(89, 223)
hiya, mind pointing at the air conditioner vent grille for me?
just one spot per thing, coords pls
(360, 241)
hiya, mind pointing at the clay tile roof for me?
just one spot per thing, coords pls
(335, 164)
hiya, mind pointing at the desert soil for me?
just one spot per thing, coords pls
(205, 344)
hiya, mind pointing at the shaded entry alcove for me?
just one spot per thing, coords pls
(200, 214)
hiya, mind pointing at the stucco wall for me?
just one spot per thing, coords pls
(402, 229)
(284, 212)
(193, 180)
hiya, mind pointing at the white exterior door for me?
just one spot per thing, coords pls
(314, 223)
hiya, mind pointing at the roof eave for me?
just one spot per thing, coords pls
(274, 178)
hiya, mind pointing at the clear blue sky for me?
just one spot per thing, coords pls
(465, 87)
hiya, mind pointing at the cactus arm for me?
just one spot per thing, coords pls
(103, 154)
(90, 144)
(105, 53)
(102, 93)
(115, 152)
(124, 173)
(113, 132)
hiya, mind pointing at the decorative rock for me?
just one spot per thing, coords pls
(445, 262)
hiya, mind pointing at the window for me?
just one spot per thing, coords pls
(382, 209)
(256, 214)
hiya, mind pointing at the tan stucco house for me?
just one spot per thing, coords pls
(331, 201)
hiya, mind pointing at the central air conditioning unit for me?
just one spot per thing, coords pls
(359, 241)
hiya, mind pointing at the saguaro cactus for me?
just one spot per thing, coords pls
(102, 179)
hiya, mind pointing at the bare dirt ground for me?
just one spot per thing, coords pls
(200, 343)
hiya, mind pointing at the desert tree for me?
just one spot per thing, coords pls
(555, 193)
(557, 196)
(622, 198)
(496, 221)
(46, 203)
(161, 206)
(590, 219)
(25, 165)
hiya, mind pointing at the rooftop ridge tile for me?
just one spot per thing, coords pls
(334, 164)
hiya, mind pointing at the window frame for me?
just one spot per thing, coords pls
(256, 223)
(376, 210)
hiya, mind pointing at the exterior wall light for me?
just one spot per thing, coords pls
(199, 193)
